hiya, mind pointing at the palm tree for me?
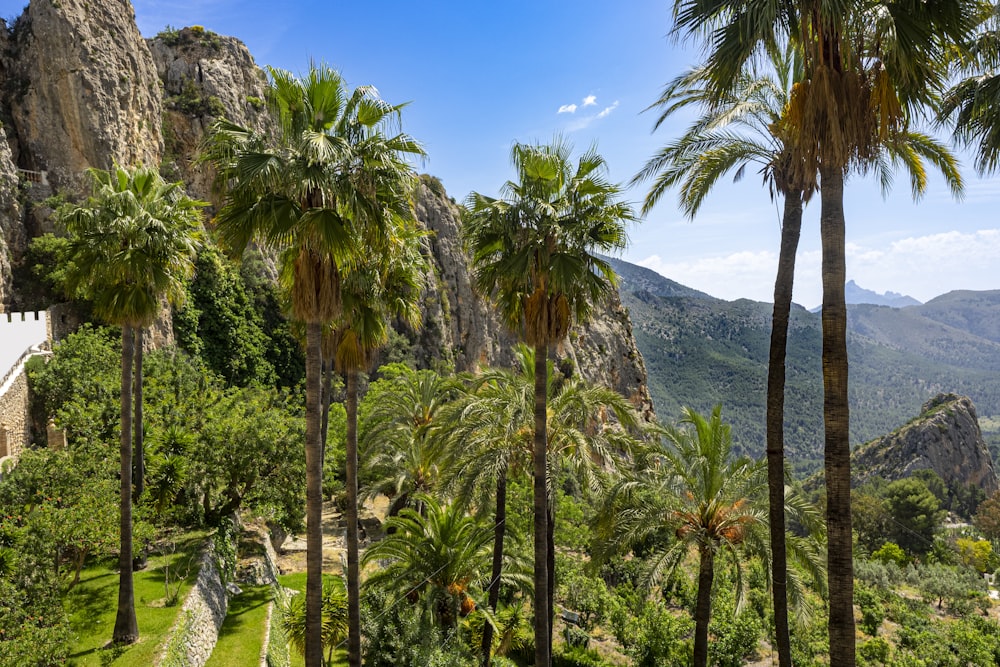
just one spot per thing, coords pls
(293, 618)
(440, 557)
(491, 433)
(381, 286)
(404, 449)
(531, 252)
(321, 188)
(132, 244)
(695, 490)
(973, 104)
(744, 126)
(868, 68)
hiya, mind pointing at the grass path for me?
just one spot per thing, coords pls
(241, 638)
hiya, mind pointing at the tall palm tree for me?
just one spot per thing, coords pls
(531, 252)
(322, 188)
(491, 433)
(694, 489)
(746, 126)
(132, 244)
(868, 68)
(381, 286)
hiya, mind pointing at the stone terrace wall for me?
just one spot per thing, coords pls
(15, 422)
(196, 631)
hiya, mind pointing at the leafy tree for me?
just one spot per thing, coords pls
(916, 515)
(132, 244)
(988, 516)
(323, 189)
(974, 553)
(531, 253)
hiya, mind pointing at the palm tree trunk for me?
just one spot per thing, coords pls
(327, 398)
(836, 419)
(550, 565)
(353, 572)
(541, 511)
(314, 501)
(790, 229)
(126, 629)
(703, 608)
(499, 528)
(139, 464)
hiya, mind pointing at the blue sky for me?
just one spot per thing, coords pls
(480, 76)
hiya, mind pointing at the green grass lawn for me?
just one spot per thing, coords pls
(242, 635)
(92, 605)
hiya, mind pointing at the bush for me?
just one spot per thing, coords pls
(873, 652)
(890, 552)
(575, 656)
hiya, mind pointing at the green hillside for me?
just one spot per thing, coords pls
(700, 351)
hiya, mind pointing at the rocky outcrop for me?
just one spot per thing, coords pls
(13, 238)
(204, 76)
(82, 89)
(945, 438)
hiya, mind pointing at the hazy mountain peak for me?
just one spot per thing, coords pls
(854, 293)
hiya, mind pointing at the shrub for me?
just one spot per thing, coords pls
(890, 552)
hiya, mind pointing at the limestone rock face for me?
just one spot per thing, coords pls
(945, 438)
(12, 235)
(204, 76)
(82, 89)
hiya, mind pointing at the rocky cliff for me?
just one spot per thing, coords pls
(83, 89)
(945, 438)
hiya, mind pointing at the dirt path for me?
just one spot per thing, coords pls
(292, 555)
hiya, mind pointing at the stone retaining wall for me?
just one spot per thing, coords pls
(196, 631)
(15, 421)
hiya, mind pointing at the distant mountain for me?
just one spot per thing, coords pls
(700, 351)
(854, 293)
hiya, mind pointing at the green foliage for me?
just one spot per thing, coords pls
(890, 552)
(916, 515)
(41, 276)
(401, 635)
(873, 652)
(735, 635)
(578, 656)
(654, 636)
(583, 593)
(170, 35)
(79, 385)
(872, 611)
(191, 100)
(334, 615)
(228, 328)
(988, 516)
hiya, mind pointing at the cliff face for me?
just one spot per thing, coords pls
(84, 89)
(81, 88)
(945, 438)
(203, 76)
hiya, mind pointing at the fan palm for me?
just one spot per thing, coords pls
(531, 253)
(492, 436)
(746, 126)
(973, 104)
(868, 68)
(132, 244)
(694, 490)
(323, 188)
(382, 286)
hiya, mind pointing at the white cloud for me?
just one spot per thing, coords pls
(608, 110)
(922, 267)
(567, 108)
(590, 100)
